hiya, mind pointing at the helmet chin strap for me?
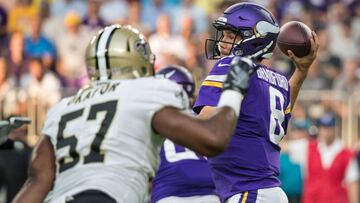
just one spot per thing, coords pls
(244, 40)
(261, 51)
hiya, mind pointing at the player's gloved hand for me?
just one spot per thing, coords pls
(13, 123)
(238, 78)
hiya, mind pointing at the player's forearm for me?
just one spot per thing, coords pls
(213, 135)
(296, 81)
(41, 173)
(222, 125)
(207, 137)
(34, 190)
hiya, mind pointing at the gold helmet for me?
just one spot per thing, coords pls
(119, 52)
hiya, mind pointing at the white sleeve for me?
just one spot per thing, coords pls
(298, 151)
(168, 94)
(51, 123)
(48, 128)
(352, 171)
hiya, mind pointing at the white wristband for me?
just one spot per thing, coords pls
(232, 99)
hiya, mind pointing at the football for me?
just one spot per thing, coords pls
(295, 36)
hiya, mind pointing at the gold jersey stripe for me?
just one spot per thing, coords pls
(213, 84)
(245, 197)
(288, 110)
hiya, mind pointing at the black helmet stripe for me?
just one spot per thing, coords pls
(107, 52)
(96, 56)
(102, 51)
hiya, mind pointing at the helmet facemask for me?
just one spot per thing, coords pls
(212, 45)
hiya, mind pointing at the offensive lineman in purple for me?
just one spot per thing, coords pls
(182, 172)
(248, 170)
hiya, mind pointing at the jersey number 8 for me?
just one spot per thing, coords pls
(277, 116)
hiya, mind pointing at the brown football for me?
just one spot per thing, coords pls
(295, 36)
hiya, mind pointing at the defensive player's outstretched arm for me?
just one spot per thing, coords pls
(302, 66)
(208, 136)
(9, 129)
(41, 174)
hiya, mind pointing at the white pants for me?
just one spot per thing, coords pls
(267, 195)
(193, 199)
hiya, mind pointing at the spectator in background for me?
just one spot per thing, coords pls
(20, 15)
(189, 49)
(92, 20)
(328, 63)
(208, 6)
(41, 84)
(290, 171)
(4, 37)
(163, 43)
(313, 80)
(60, 8)
(71, 47)
(134, 17)
(330, 170)
(355, 24)
(38, 46)
(349, 80)
(152, 11)
(17, 61)
(342, 39)
(114, 11)
(17, 66)
(8, 99)
(189, 9)
(184, 39)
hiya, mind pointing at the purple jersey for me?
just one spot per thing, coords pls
(251, 160)
(182, 173)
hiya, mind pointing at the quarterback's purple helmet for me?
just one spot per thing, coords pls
(179, 75)
(256, 26)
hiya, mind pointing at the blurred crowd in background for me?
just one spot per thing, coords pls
(43, 42)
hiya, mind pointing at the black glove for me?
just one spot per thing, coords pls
(238, 78)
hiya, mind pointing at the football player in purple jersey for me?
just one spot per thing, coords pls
(183, 175)
(248, 170)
